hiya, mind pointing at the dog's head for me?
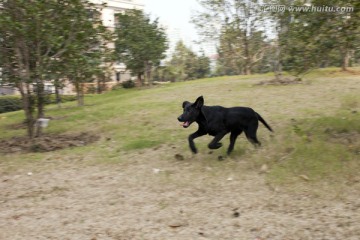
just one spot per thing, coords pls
(191, 111)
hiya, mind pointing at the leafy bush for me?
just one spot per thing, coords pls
(91, 90)
(64, 98)
(117, 87)
(13, 103)
(128, 84)
(51, 98)
(10, 104)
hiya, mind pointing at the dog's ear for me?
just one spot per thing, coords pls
(199, 102)
(185, 103)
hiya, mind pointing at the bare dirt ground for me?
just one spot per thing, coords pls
(45, 143)
(149, 198)
(167, 194)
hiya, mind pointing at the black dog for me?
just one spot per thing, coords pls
(218, 121)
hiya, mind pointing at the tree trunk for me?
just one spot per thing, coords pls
(57, 94)
(247, 69)
(79, 95)
(147, 73)
(139, 79)
(27, 107)
(277, 64)
(247, 55)
(22, 55)
(100, 83)
(345, 60)
(82, 94)
(30, 122)
(98, 88)
(40, 94)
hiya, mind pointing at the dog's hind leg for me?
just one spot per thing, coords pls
(215, 144)
(251, 136)
(250, 133)
(233, 137)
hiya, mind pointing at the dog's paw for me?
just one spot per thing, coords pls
(215, 145)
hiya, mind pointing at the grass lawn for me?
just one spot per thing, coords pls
(316, 123)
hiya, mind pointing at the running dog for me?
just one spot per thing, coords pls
(218, 121)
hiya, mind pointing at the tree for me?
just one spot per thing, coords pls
(140, 44)
(342, 28)
(229, 61)
(237, 26)
(38, 41)
(311, 39)
(301, 44)
(188, 65)
(202, 66)
(182, 61)
(88, 59)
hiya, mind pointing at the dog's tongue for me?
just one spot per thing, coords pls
(185, 124)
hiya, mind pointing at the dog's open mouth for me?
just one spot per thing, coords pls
(186, 124)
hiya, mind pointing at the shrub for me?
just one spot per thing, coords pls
(14, 103)
(91, 90)
(10, 104)
(117, 87)
(51, 99)
(128, 84)
(65, 98)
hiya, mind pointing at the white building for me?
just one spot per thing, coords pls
(108, 12)
(113, 7)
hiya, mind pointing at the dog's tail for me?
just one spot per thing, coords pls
(263, 122)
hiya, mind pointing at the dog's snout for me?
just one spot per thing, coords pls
(180, 118)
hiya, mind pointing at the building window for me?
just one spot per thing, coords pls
(117, 76)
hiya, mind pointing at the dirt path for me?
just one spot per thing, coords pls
(149, 198)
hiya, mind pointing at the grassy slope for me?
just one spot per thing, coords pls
(317, 125)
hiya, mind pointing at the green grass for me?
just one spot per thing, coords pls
(313, 124)
(323, 148)
(318, 161)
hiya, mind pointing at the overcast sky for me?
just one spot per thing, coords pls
(176, 14)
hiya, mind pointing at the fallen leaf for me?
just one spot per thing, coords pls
(304, 177)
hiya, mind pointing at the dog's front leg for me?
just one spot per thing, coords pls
(215, 144)
(192, 136)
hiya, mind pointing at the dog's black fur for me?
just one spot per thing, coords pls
(218, 121)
